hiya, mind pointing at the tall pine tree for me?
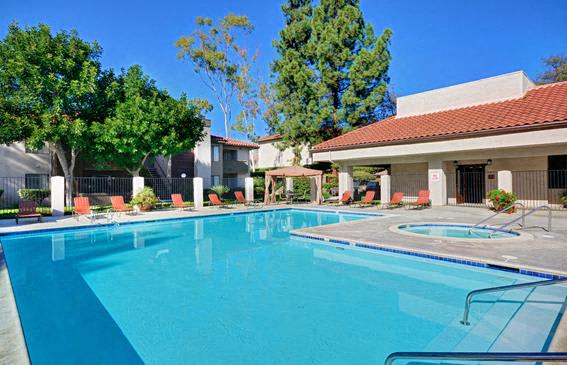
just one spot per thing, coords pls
(351, 64)
(296, 90)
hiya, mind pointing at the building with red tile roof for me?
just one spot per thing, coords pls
(461, 141)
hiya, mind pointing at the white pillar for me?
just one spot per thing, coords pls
(137, 184)
(385, 189)
(313, 189)
(198, 192)
(345, 179)
(437, 183)
(249, 188)
(505, 180)
(289, 184)
(58, 196)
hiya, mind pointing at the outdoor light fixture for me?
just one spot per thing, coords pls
(456, 163)
(183, 175)
(488, 162)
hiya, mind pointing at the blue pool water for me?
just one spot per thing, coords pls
(239, 290)
(456, 231)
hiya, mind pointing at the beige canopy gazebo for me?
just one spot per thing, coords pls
(292, 171)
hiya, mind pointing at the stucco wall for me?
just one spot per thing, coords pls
(497, 88)
(15, 162)
(270, 156)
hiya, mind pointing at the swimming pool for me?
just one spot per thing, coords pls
(456, 231)
(237, 289)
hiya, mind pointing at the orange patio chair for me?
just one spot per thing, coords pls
(396, 200)
(345, 198)
(177, 201)
(118, 204)
(83, 208)
(367, 200)
(422, 199)
(214, 199)
(27, 209)
(241, 199)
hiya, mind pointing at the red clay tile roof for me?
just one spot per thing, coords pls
(269, 137)
(234, 142)
(542, 106)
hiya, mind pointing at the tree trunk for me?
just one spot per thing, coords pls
(67, 167)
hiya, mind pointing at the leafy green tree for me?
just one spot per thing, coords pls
(215, 53)
(556, 70)
(147, 122)
(351, 63)
(247, 95)
(295, 85)
(50, 92)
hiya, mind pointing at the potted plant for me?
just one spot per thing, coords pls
(145, 200)
(563, 199)
(502, 199)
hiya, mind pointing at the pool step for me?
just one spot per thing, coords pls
(530, 328)
(486, 329)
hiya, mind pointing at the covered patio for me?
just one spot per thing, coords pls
(291, 172)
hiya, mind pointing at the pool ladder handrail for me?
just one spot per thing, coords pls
(530, 212)
(478, 225)
(478, 356)
(533, 284)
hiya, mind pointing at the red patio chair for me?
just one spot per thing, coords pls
(422, 199)
(214, 199)
(396, 200)
(178, 203)
(82, 208)
(27, 209)
(118, 204)
(367, 200)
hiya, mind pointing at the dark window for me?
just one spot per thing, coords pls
(557, 172)
(37, 181)
(229, 155)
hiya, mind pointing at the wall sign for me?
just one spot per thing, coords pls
(435, 176)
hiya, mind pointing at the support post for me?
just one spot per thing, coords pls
(137, 184)
(249, 188)
(313, 189)
(437, 183)
(345, 179)
(505, 180)
(58, 196)
(385, 189)
(198, 192)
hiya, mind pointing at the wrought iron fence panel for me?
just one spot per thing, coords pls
(164, 187)
(11, 192)
(409, 184)
(99, 189)
(541, 187)
(470, 188)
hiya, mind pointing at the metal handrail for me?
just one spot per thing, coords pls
(533, 284)
(530, 212)
(478, 356)
(497, 213)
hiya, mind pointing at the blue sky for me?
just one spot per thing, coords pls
(436, 43)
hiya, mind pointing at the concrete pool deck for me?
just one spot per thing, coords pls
(539, 250)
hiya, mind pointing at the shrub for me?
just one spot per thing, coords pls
(36, 195)
(563, 198)
(220, 190)
(501, 199)
(145, 199)
(302, 187)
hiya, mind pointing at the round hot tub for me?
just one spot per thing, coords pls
(456, 231)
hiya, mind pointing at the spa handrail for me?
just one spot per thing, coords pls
(477, 356)
(530, 212)
(509, 207)
(532, 284)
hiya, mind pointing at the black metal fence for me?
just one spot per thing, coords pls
(99, 189)
(30, 187)
(470, 188)
(164, 187)
(409, 184)
(536, 188)
(234, 183)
